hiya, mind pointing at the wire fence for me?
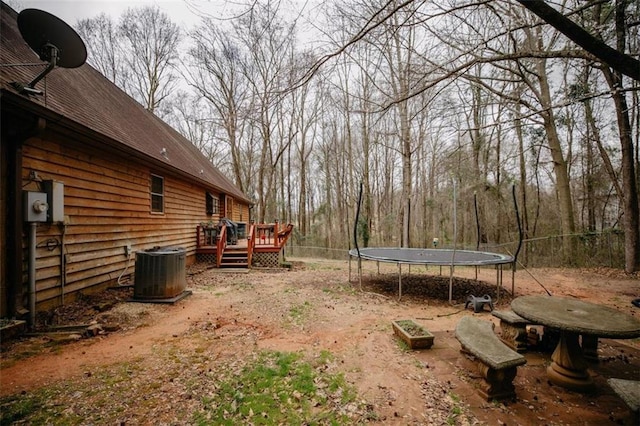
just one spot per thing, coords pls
(603, 249)
(592, 249)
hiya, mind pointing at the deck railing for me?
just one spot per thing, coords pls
(221, 244)
(265, 234)
(251, 242)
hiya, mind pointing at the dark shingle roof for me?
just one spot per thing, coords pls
(84, 96)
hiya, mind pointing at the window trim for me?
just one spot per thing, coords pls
(212, 204)
(159, 195)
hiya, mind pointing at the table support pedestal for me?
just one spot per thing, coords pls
(569, 368)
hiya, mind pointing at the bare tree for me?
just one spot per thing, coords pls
(216, 73)
(306, 110)
(105, 51)
(191, 115)
(267, 39)
(152, 43)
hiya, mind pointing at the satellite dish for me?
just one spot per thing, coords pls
(53, 40)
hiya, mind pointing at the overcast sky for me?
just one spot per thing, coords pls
(182, 12)
(185, 13)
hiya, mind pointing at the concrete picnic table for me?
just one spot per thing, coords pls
(572, 318)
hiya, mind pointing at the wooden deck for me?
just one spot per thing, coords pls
(231, 253)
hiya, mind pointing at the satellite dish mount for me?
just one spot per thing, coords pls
(53, 40)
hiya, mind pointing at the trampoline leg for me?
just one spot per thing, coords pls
(451, 285)
(498, 281)
(399, 281)
(360, 273)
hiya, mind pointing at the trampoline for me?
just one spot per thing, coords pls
(437, 257)
(433, 257)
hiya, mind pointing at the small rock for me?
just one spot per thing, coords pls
(93, 330)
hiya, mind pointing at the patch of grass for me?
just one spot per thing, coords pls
(244, 285)
(325, 358)
(278, 388)
(23, 354)
(298, 313)
(319, 266)
(313, 266)
(17, 408)
(339, 290)
(402, 345)
(34, 408)
(456, 410)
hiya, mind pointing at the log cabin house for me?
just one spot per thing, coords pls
(117, 179)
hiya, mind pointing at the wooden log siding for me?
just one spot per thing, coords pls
(241, 213)
(107, 206)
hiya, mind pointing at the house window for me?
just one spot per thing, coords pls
(157, 194)
(229, 206)
(213, 204)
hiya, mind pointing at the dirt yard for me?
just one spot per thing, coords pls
(168, 353)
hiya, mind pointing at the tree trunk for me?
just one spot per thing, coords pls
(560, 169)
(630, 194)
(523, 185)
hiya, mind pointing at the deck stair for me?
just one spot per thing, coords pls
(235, 258)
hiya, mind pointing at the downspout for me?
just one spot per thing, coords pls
(32, 274)
(63, 262)
(16, 136)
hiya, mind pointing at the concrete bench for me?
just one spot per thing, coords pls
(496, 361)
(514, 329)
(629, 391)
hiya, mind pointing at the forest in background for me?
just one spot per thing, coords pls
(441, 110)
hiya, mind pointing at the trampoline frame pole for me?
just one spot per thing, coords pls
(399, 281)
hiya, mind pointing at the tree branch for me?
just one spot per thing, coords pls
(615, 59)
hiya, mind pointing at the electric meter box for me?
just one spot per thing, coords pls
(55, 197)
(35, 206)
